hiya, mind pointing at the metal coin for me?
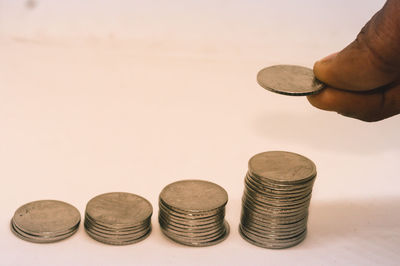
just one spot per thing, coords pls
(118, 218)
(248, 216)
(116, 235)
(190, 224)
(119, 209)
(271, 244)
(273, 196)
(194, 195)
(199, 243)
(40, 239)
(194, 234)
(263, 184)
(45, 221)
(266, 226)
(276, 197)
(116, 241)
(109, 231)
(192, 212)
(276, 235)
(145, 224)
(190, 228)
(289, 80)
(282, 167)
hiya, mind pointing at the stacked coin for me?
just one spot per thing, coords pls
(118, 218)
(276, 197)
(45, 221)
(192, 212)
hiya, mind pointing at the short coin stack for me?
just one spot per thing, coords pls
(118, 218)
(276, 198)
(45, 221)
(192, 212)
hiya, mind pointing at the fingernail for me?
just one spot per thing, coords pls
(328, 58)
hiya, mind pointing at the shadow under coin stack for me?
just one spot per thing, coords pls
(276, 198)
(118, 218)
(45, 221)
(192, 212)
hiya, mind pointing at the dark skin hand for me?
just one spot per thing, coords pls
(363, 80)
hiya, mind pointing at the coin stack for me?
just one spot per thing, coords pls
(192, 212)
(276, 197)
(45, 221)
(118, 218)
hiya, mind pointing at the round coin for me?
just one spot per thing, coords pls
(119, 209)
(196, 243)
(276, 197)
(46, 218)
(117, 241)
(289, 80)
(118, 218)
(282, 167)
(191, 212)
(194, 195)
(272, 244)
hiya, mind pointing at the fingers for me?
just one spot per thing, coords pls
(373, 106)
(364, 78)
(372, 60)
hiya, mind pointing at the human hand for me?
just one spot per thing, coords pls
(363, 80)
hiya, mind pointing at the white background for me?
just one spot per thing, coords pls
(101, 96)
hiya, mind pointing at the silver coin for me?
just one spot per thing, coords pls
(278, 190)
(194, 234)
(267, 201)
(276, 235)
(276, 198)
(117, 242)
(188, 216)
(263, 184)
(249, 216)
(271, 243)
(271, 238)
(267, 226)
(119, 209)
(272, 219)
(196, 243)
(194, 195)
(190, 224)
(116, 235)
(289, 80)
(136, 227)
(190, 228)
(282, 167)
(192, 212)
(40, 239)
(118, 218)
(44, 236)
(89, 224)
(271, 209)
(46, 218)
(198, 239)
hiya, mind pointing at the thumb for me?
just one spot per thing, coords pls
(372, 60)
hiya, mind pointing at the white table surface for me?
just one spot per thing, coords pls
(130, 96)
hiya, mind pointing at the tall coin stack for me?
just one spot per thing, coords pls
(276, 198)
(192, 212)
(118, 218)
